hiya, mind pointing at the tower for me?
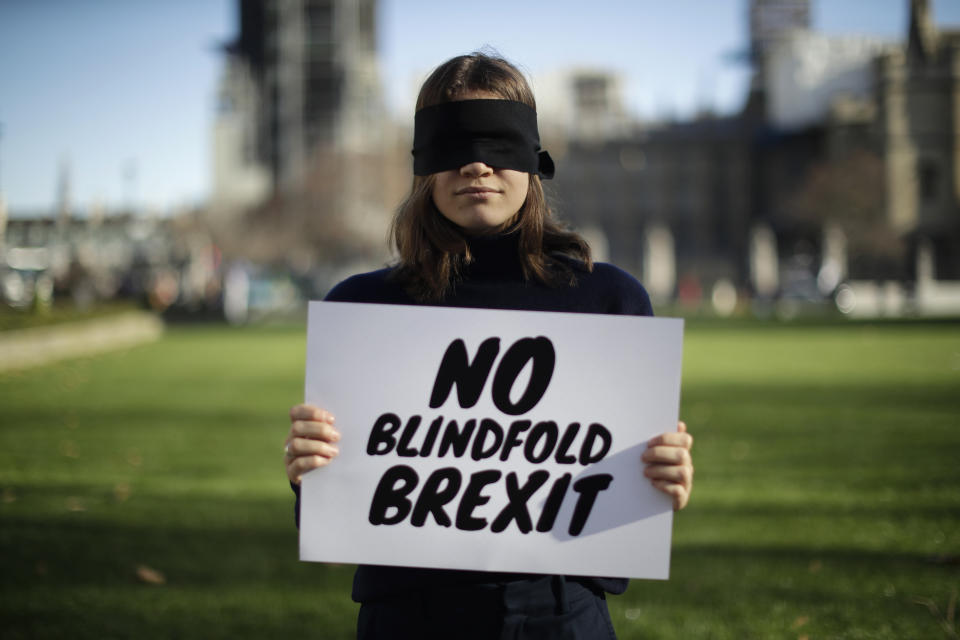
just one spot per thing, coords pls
(302, 75)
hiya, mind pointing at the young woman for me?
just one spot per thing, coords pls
(476, 231)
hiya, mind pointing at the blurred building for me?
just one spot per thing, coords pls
(240, 176)
(303, 151)
(883, 120)
(918, 113)
(667, 197)
(300, 75)
(842, 165)
(161, 263)
(86, 257)
(805, 72)
(770, 20)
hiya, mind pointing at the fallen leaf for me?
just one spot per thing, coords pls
(75, 504)
(69, 449)
(150, 576)
(800, 621)
(815, 566)
(9, 496)
(121, 491)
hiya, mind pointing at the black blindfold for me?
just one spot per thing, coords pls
(500, 133)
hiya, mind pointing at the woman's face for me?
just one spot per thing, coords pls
(479, 197)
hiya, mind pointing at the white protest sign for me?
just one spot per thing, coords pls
(490, 440)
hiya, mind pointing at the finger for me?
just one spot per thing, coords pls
(309, 447)
(673, 439)
(303, 464)
(667, 455)
(678, 474)
(310, 412)
(675, 491)
(316, 430)
(682, 428)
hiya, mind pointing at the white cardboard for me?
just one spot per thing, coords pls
(364, 360)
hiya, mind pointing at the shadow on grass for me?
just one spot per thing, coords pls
(163, 568)
(230, 568)
(71, 551)
(740, 591)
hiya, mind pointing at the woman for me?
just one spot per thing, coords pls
(476, 231)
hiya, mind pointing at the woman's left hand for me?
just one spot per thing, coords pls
(669, 464)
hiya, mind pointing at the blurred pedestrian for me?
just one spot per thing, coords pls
(476, 231)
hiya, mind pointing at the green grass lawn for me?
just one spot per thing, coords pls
(142, 494)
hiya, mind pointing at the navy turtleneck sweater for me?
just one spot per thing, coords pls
(494, 280)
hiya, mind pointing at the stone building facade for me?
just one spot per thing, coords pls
(853, 175)
(919, 129)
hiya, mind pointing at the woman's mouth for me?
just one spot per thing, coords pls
(475, 190)
(477, 193)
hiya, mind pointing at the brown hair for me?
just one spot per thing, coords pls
(432, 250)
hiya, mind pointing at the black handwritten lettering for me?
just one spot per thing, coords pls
(472, 499)
(392, 491)
(552, 505)
(563, 456)
(513, 437)
(403, 448)
(588, 487)
(398, 494)
(433, 497)
(431, 437)
(455, 439)
(480, 448)
(469, 378)
(382, 440)
(595, 432)
(540, 352)
(518, 496)
(545, 429)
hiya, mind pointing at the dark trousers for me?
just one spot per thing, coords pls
(543, 608)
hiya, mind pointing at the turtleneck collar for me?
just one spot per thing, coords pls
(495, 255)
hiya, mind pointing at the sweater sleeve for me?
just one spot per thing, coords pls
(296, 505)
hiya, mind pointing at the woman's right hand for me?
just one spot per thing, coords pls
(310, 443)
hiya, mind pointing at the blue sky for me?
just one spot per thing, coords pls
(124, 90)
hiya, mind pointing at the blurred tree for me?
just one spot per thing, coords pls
(848, 191)
(337, 215)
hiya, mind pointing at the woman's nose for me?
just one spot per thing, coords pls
(476, 170)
